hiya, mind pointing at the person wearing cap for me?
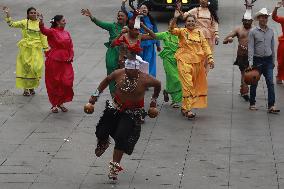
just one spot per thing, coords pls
(261, 55)
(192, 51)
(241, 32)
(122, 119)
(30, 59)
(114, 29)
(280, 52)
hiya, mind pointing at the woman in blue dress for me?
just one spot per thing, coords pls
(149, 52)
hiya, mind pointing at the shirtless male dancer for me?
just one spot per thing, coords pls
(122, 118)
(241, 32)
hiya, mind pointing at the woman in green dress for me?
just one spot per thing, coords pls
(114, 29)
(30, 57)
(173, 86)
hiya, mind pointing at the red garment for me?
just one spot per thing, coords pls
(128, 104)
(136, 48)
(280, 54)
(59, 74)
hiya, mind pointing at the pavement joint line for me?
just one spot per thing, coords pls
(14, 173)
(88, 172)
(231, 127)
(52, 157)
(187, 155)
(18, 146)
(276, 167)
(18, 109)
(145, 148)
(232, 108)
(3, 161)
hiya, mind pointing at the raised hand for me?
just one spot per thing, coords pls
(178, 5)
(177, 13)
(40, 17)
(86, 12)
(124, 1)
(6, 9)
(279, 4)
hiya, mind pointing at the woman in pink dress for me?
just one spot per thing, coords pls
(59, 74)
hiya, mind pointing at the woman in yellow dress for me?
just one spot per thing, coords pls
(193, 50)
(207, 21)
(30, 57)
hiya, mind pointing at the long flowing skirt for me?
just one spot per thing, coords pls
(173, 85)
(194, 85)
(59, 77)
(112, 64)
(149, 55)
(29, 67)
(280, 58)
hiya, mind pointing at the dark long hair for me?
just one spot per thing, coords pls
(54, 20)
(29, 10)
(213, 12)
(152, 20)
(125, 13)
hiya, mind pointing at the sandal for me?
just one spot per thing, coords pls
(272, 110)
(188, 114)
(101, 148)
(166, 96)
(253, 108)
(114, 169)
(32, 91)
(54, 110)
(63, 108)
(26, 93)
(175, 105)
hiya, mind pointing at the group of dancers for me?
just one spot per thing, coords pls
(187, 55)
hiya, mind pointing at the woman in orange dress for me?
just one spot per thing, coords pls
(192, 52)
(280, 54)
